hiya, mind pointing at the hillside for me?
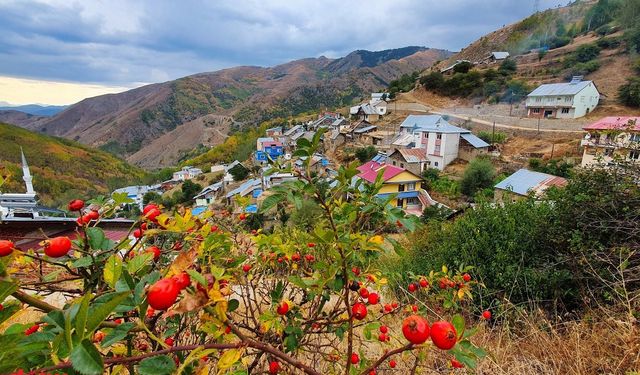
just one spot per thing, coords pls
(127, 123)
(19, 118)
(61, 169)
(36, 109)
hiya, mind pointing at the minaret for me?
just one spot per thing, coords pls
(26, 174)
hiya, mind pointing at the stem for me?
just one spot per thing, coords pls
(385, 356)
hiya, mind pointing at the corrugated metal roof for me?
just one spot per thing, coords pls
(433, 123)
(500, 55)
(525, 180)
(292, 130)
(615, 123)
(413, 155)
(364, 130)
(474, 141)
(568, 88)
(246, 185)
(403, 140)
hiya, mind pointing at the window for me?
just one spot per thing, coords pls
(412, 201)
(401, 165)
(437, 150)
(435, 163)
(401, 187)
(567, 99)
(565, 110)
(394, 162)
(635, 137)
(535, 110)
(399, 203)
(438, 136)
(634, 154)
(411, 186)
(559, 99)
(538, 100)
(582, 99)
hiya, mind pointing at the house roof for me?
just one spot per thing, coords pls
(474, 141)
(297, 135)
(380, 158)
(412, 155)
(271, 143)
(242, 188)
(276, 129)
(403, 140)
(214, 187)
(500, 55)
(567, 88)
(369, 171)
(615, 123)
(265, 139)
(525, 180)
(231, 165)
(292, 130)
(338, 122)
(365, 129)
(367, 109)
(433, 123)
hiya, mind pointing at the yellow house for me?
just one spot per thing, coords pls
(411, 196)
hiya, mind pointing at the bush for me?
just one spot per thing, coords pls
(239, 172)
(586, 52)
(508, 67)
(558, 42)
(579, 69)
(364, 154)
(189, 190)
(478, 175)
(433, 81)
(608, 43)
(462, 67)
(491, 138)
(629, 93)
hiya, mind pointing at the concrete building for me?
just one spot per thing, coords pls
(525, 182)
(563, 100)
(611, 140)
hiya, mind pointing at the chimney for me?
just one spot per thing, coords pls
(576, 79)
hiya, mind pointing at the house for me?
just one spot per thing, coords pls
(339, 124)
(610, 140)
(269, 148)
(450, 69)
(208, 194)
(335, 139)
(379, 96)
(324, 120)
(524, 182)
(137, 193)
(186, 173)
(442, 141)
(251, 187)
(318, 164)
(274, 132)
(563, 100)
(498, 56)
(411, 197)
(365, 112)
(413, 160)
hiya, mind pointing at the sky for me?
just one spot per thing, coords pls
(61, 51)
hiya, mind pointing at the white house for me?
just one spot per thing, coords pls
(442, 141)
(208, 194)
(611, 140)
(563, 100)
(186, 173)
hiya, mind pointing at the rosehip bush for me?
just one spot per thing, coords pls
(206, 294)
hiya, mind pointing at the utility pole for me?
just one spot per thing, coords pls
(538, 125)
(493, 134)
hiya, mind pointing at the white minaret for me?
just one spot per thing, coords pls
(26, 174)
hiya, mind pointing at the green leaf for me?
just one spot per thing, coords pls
(271, 201)
(233, 305)
(82, 262)
(197, 276)
(160, 365)
(9, 309)
(82, 315)
(86, 359)
(97, 239)
(138, 262)
(102, 310)
(55, 318)
(458, 324)
(6, 288)
(374, 326)
(117, 334)
(112, 270)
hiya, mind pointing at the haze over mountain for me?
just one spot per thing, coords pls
(132, 123)
(34, 109)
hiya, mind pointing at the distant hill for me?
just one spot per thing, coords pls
(128, 123)
(36, 109)
(61, 169)
(19, 118)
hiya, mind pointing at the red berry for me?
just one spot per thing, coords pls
(414, 308)
(246, 267)
(443, 335)
(355, 359)
(57, 247)
(311, 244)
(356, 271)
(150, 312)
(394, 305)
(466, 277)
(384, 329)
(152, 214)
(486, 314)
(382, 337)
(274, 367)
(443, 283)
(456, 364)
(412, 287)
(148, 208)
(373, 298)
(309, 257)
(399, 224)
(80, 221)
(93, 215)
(242, 217)
(372, 372)
(163, 294)
(143, 226)
(168, 341)
(118, 321)
(359, 311)
(295, 257)
(415, 329)
(76, 205)
(392, 364)
(98, 336)
(424, 283)
(6, 248)
(364, 292)
(387, 308)
(182, 280)
(31, 330)
(1, 307)
(138, 233)
(154, 250)
(227, 330)
(283, 308)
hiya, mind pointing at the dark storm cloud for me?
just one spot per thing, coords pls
(121, 42)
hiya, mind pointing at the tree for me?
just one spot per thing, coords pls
(508, 67)
(629, 93)
(462, 67)
(364, 154)
(433, 81)
(478, 175)
(151, 197)
(586, 52)
(268, 298)
(190, 190)
(239, 172)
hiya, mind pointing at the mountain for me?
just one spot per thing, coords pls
(132, 123)
(19, 118)
(35, 109)
(61, 169)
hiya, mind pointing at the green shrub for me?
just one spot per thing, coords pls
(447, 187)
(586, 52)
(364, 154)
(558, 42)
(580, 69)
(629, 93)
(608, 43)
(462, 67)
(508, 67)
(490, 137)
(478, 175)
(433, 81)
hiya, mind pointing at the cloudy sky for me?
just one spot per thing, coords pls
(60, 51)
